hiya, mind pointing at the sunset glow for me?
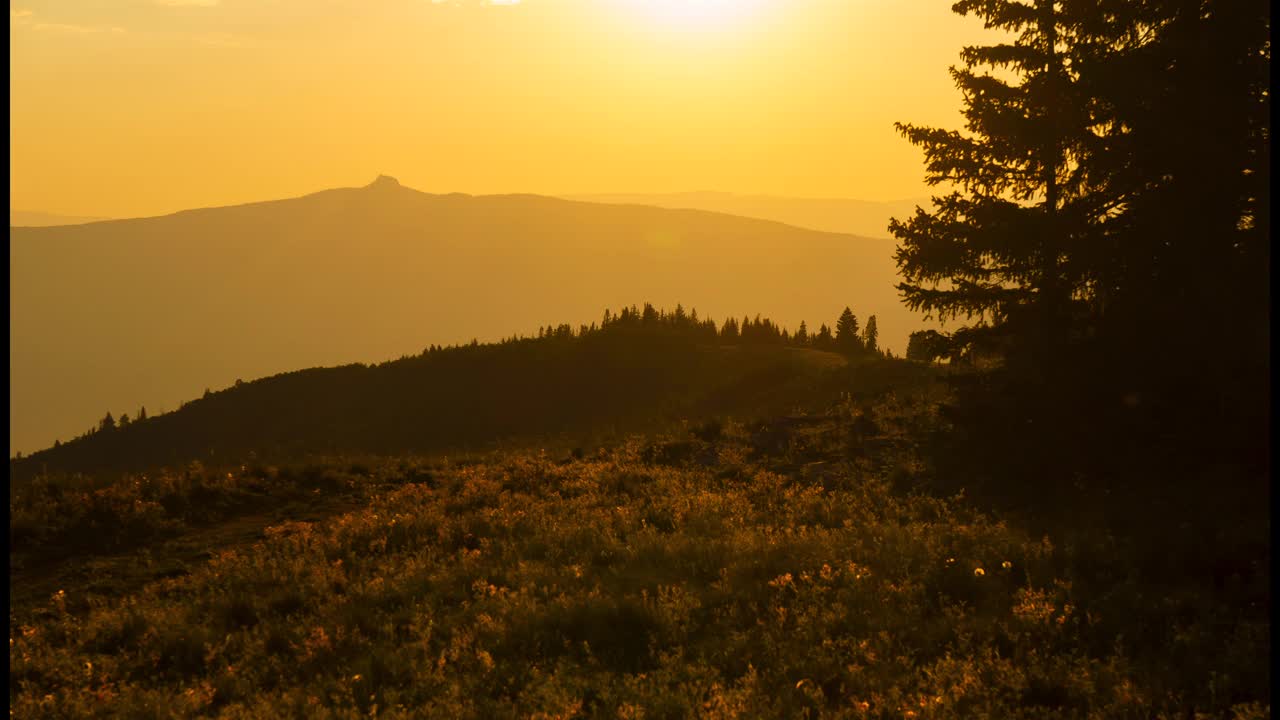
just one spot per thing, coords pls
(696, 15)
(232, 102)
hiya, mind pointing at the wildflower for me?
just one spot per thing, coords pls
(1006, 565)
(951, 561)
(1066, 612)
(859, 571)
(979, 572)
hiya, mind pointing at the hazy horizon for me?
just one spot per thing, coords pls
(44, 216)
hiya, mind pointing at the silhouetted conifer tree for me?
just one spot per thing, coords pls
(847, 338)
(1186, 85)
(824, 340)
(1110, 188)
(995, 245)
(871, 335)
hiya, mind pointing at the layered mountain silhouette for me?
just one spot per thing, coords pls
(843, 215)
(113, 315)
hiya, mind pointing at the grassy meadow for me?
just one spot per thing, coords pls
(794, 566)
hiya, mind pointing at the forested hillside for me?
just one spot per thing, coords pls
(631, 370)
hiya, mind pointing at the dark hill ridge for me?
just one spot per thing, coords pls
(620, 378)
(151, 311)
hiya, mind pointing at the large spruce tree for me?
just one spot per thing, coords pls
(1187, 84)
(1112, 176)
(1106, 224)
(997, 246)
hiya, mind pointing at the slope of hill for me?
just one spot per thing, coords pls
(30, 218)
(627, 375)
(754, 572)
(151, 311)
(842, 215)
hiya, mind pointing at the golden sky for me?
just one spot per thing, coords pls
(140, 107)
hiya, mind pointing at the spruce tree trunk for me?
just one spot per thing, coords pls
(1049, 285)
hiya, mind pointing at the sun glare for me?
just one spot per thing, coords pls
(695, 14)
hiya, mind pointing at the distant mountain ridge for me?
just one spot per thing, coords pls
(843, 215)
(31, 218)
(151, 311)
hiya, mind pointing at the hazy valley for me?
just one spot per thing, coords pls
(113, 315)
